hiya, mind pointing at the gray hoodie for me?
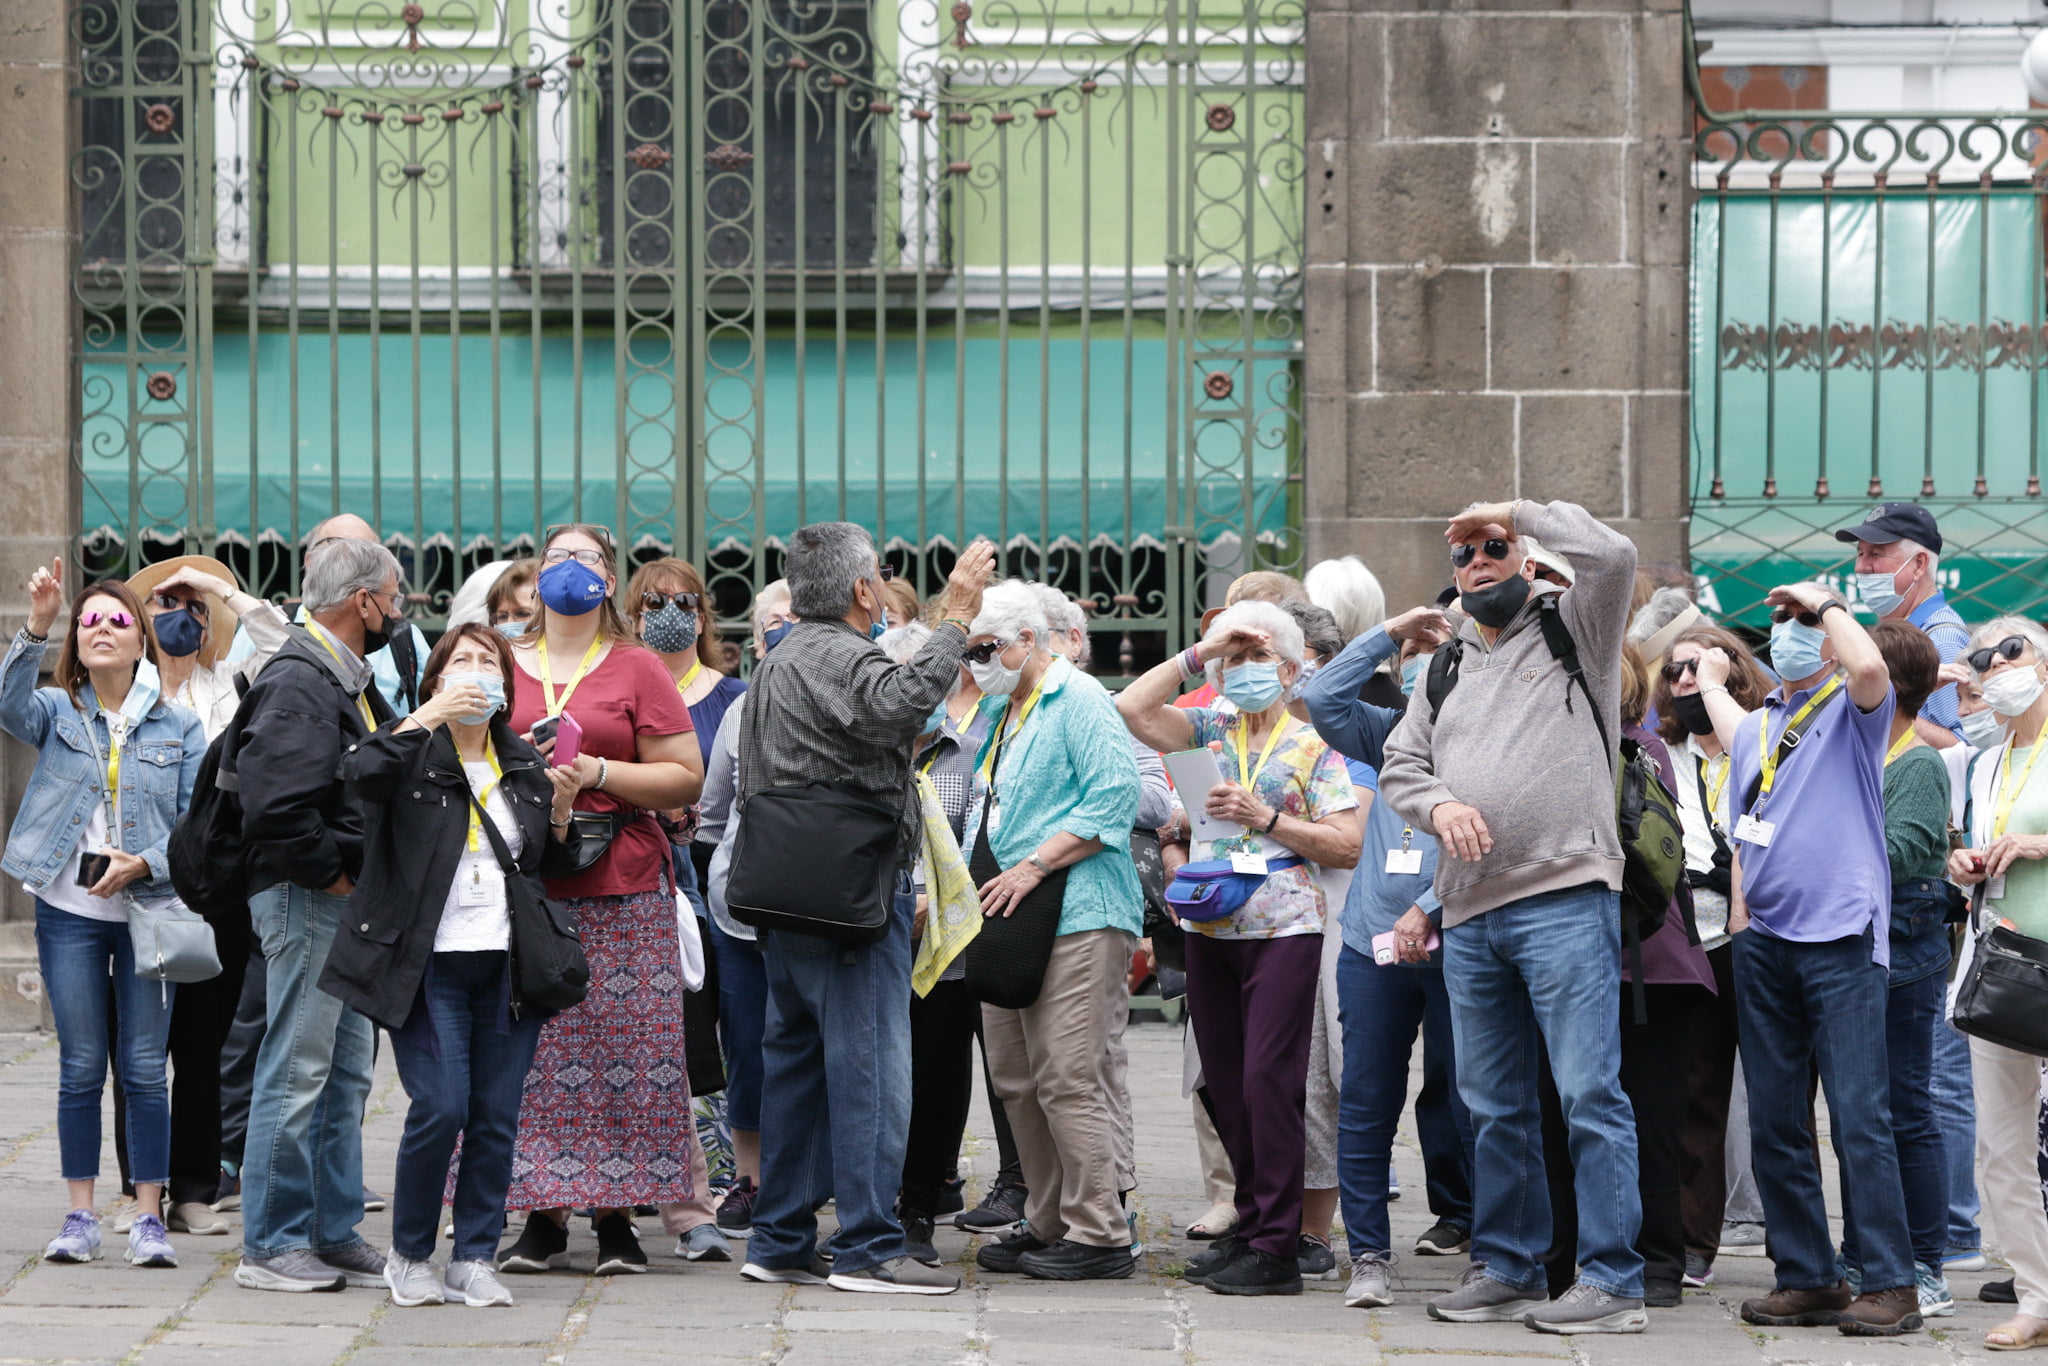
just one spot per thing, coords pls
(1505, 743)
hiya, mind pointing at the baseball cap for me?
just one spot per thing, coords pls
(1888, 522)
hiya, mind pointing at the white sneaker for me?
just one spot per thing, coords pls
(1371, 1277)
(477, 1285)
(412, 1283)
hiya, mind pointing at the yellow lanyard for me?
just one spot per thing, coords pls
(2009, 793)
(1716, 785)
(476, 820)
(362, 702)
(1767, 753)
(682, 684)
(995, 750)
(548, 696)
(1246, 773)
(1898, 747)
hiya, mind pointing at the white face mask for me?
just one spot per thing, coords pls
(2013, 691)
(1982, 729)
(994, 678)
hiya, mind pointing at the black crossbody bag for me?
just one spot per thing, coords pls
(549, 970)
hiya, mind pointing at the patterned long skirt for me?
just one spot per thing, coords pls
(606, 1119)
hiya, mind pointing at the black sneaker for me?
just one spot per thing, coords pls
(952, 1197)
(917, 1238)
(1998, 1292)
(1213, 1258)
(1001, 1210)
(1008, 1254)
(1070, 1261)
(543, 1246)
(1256, 1273)
(736, 1211)
(1444, 1239)
(618, 1247)
(1316, 1260)
(1662, 1294)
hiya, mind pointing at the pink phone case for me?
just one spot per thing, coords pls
(1384, 944)
(568, 742)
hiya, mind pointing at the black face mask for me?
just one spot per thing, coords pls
(1496, 604)
(377, 637)
(1690, 711)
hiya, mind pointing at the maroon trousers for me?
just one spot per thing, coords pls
(1253, 1004)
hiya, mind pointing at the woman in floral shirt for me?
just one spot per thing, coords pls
(1252, 975)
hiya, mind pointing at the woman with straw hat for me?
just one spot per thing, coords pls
(194, 602)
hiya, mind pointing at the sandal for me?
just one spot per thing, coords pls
(1217, 1223)
(2016, 1339)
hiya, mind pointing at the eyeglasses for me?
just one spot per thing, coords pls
(88, 620)
(1679, 668)
(400, 606)
(984, 652)
(1495, 549)
(1781, 615)
(654, 602)
(589, 558)
(2008, 649)
(171, 602)
(888, 572)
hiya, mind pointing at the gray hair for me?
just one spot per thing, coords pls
(825, 561)
(1349, 592)
(1062, 614)
(1009, 608)
(901, 643)
(1933, 560)
(1998, 628)
(339, 570)
(1319, 629)
(1254, 615)
(777, 589)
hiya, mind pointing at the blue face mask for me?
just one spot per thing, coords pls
(773, 636)
(1795, 649)
(512, 630)
(180, 633)
(1252, 687)
(938, 720)
(1412, 670)
(492, 685)
(571, 588)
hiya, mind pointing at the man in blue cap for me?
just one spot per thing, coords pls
(1898, 562)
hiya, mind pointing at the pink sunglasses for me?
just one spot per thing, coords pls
(88, 620)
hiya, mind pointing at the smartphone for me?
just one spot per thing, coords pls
(539, 732)
(568, 741)
(93, 867)
(1383, 947)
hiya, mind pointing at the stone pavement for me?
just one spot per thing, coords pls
(706, 1315)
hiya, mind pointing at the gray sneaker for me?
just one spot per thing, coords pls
(1481, 1299)
(1371, 1281)
(819, 1272)
(79, 1241)
(703, 1243)
(148, 1244)
(899, 1277)
(477, 1285)
(362, 1264)
(1742, 1240)
(1589, 1309)
(412, 1283)
(297, 1271)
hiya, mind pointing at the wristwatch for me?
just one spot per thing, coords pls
(1036, 862)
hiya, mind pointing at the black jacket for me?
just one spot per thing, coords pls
(297, 720)
(412, 786)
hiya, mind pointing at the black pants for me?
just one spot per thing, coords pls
(1703, 1165)
(238, 1056)
(943, 1027)
(1654, 1073)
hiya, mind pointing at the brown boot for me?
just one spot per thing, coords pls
(1883, 1313)
(1799, 1308)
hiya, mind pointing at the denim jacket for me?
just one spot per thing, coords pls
(158, 767)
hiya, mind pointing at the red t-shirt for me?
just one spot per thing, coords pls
(629, 694)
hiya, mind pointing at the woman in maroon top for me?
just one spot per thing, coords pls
(605, 1121)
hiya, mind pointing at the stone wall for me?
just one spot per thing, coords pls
(1496, 292)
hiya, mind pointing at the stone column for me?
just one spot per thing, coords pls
(1496, 293)
(39, 512)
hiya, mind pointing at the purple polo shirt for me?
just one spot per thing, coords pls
(1824, 875)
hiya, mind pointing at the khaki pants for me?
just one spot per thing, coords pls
(1052, 1066)
(2008, 1086)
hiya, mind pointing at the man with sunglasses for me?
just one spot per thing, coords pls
(1811, 957)
(1510, 769)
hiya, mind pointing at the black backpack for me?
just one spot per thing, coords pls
(209, 858)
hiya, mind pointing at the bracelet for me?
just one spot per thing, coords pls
(32, 638)
(1190, 663)
(1271, 823)
(955, 621)
(1831, 602)
(604, 769)
(1716, 688)
(562, 825)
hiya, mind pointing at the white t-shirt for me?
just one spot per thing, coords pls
(475, 918)
(64, 892)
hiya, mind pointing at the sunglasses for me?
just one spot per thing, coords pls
(984, 652)
(2008, 649)
(654, 602)
(88, 620)
(1679, 668)
(1781, 615)
(1462, 555)
(171, 602)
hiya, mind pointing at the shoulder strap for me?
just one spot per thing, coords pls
(1787, 742)
(1565, 651)
(498, 846)
(1443, 674)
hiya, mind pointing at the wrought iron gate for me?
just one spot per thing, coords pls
(702, 272)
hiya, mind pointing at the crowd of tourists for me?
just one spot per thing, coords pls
(648, 943)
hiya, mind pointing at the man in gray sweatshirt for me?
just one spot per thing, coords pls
(1513, 777)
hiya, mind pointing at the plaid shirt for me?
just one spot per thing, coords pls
(830, 707)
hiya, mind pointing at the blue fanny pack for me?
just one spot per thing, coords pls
(1213, 890)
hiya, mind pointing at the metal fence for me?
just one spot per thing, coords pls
(703, 272)
(1867, 324)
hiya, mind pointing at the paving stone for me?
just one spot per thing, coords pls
(1143, 1331)
(822, 1320)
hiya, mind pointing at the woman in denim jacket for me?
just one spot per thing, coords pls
(104, 726)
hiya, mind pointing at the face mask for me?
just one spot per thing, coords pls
(1252, 687)
(878, 627)
(1795, 649)
(180, 633)
(1690, 711)
(1880, 592)
(377, 637)
(937, 721)
(1981, 729)
(773, 636)
(493, 688)
(571, 588)
(512, 630)
(143, 693)
(1413, 670)
(669, 631)
(994, 678)
(2013, 691)
(1496, 604)
(1300, 683)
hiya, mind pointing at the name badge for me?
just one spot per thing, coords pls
(994, 819)
(475, 891)
(1407, 861)
(1750, 830)
(1994, 888)
(1248, 863)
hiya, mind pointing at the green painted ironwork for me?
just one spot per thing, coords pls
(700, 272)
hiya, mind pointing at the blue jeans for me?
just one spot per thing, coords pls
(742, 1017)
(75, 954)
(1911, 1012)
(836, 1094)
(1955, 1111)
(1380, 1009)
(1546, 970)
(1798, 1002)
(302, 1168)
(470, 1090)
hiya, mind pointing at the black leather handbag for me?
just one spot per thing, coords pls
(549, 970)
(818, 860)
(2004, 997)
(1006, 961)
